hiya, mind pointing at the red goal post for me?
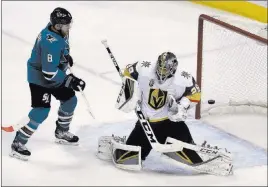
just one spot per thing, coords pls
(231, 66)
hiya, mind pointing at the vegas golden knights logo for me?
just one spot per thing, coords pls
(157, 98)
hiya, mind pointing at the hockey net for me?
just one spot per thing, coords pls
(231, 68)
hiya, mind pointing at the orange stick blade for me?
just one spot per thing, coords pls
(8, 129)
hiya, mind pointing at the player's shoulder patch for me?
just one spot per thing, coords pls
(145, 64)
(183, 78)
(186, 75)
(146, 68)
(51, 38)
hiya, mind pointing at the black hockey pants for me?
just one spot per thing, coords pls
(162, 130)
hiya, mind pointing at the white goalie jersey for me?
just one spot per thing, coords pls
(140, 83)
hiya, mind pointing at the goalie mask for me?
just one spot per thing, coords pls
(166, 66)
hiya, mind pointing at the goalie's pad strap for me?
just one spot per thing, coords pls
(126, 156)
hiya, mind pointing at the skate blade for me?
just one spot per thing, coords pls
(64, 142)
(19, 156)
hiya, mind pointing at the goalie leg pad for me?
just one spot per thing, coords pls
(185, 156)
(204, 160)
(105, 148)
(126, 156)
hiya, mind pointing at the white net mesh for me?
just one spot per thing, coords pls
(234, 71)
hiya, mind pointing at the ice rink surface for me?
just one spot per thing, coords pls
(135, 31)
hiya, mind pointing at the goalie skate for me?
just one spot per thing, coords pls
(19, 151)
(66, 138)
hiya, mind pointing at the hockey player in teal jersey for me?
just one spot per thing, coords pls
(47, 76)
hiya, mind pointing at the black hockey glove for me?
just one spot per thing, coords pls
(69, 60)
(73, 82)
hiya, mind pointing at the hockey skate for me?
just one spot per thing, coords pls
(19, 151)
(65, 137)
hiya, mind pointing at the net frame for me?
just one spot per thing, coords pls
(212, 20)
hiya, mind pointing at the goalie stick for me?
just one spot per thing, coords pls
(104, 42)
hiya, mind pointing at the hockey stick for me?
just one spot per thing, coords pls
(143, 121)
(11, 128)
(17, 126)
(81, 91)
(84, 97)
(104, 42)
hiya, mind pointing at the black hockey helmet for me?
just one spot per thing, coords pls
(166, 66)
(60, 16)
